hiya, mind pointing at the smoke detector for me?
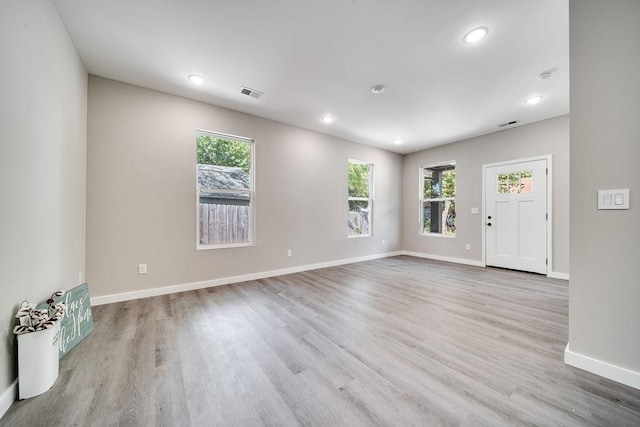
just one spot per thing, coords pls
(378, 89)
(545, 75)
(251, 92)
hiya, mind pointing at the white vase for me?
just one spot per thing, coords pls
(38, 361)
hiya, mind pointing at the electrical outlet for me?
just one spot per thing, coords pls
(468, 246)
(384, 242)
(142, 268)
(80, 278)
(289, 252)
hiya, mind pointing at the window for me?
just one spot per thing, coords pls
(438, 199)
(224, 181)
(515, 182)
(360, 198)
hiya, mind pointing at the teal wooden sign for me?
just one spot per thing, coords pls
(77, 322)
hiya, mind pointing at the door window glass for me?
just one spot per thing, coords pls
(515, 182)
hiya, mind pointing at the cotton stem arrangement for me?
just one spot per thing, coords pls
(31, 319)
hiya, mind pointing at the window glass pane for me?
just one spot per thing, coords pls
(359, 180)
(439, 217)
(526, 181)
(223, 223)
(427, 217)
(515, 182)
(449, 214)
(225, 153)
(358, 217)
(432, 188)
(449, 183)
(224, 190)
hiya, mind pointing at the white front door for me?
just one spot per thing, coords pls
(515, 215)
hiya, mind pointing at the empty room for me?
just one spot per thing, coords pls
(343, 213)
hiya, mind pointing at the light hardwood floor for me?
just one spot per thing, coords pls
(395, 342)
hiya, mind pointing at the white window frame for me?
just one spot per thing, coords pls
(250, 191)
(422, 199)
(369, 199)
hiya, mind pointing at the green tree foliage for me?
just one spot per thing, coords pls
(223, 152)
(439, 184)
(359, 180)
(449, 183)
(358, 205)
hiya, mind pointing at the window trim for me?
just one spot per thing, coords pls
(370, 199)
(251, 192)
(421, 198)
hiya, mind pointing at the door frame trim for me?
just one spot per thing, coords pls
(546, 157)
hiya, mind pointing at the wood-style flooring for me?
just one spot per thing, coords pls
(393, 342)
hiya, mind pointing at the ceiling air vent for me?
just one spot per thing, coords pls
(513, 122)
(251, 92)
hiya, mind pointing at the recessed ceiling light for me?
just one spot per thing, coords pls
(476, 35)
(196, 79)
(533, 100)
(398, 141)
(326, 119)
(378, 89)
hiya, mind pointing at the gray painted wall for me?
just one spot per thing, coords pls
(604, 300)
(43, 95)
(541, 138)
(141, 205)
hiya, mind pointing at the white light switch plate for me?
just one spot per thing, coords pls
(613, 199)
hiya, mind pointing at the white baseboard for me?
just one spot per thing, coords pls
(8, 397)
(603, 369)
(127, 296)
(552, 275)
(445, 258)
(556, 275)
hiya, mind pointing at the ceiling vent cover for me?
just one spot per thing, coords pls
(513, 122)
(251, 92)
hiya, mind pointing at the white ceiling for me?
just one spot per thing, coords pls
(312, 58)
